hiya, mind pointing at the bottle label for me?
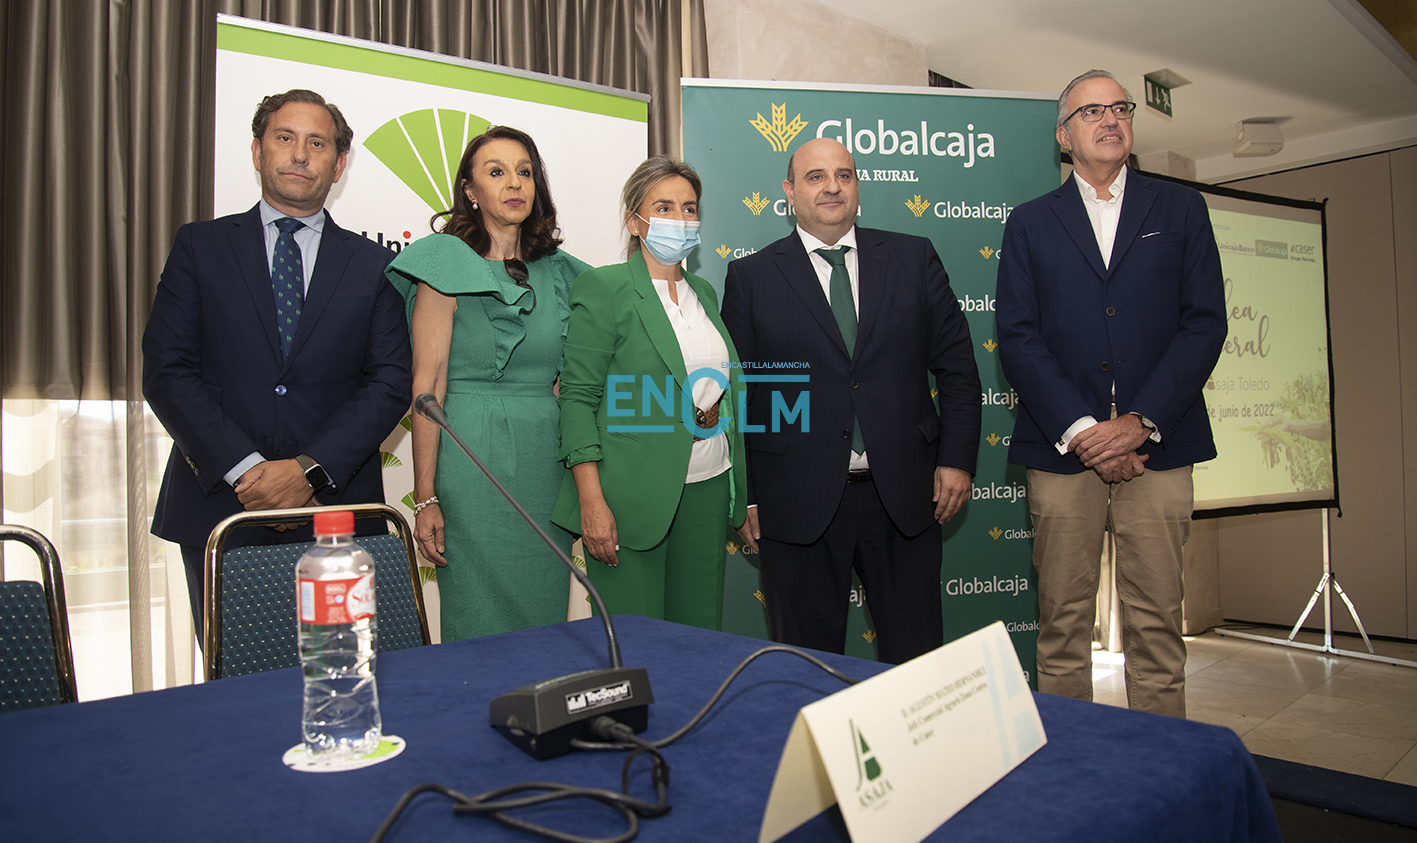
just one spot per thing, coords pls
(331, 602)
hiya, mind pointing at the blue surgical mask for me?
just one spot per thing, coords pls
(670, 241)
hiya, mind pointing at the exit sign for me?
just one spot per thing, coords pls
(1158, 96)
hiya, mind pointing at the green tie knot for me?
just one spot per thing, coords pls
(835, 257)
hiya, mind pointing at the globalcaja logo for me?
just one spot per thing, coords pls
(779, 132)
(961, 210)
(988, 252)
(974, 586)
(990, 345)
(917, 205)
(983, 304)
(723, 250)
(995, 439)
(422, 149)
(658, 404)
(904, 140)
(993, 398)
(757, 202)
(997, 533)
(872, 787)
(733, 547)
(1271, 249)
(1012, 492)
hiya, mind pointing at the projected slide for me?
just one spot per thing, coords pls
(1269, 395)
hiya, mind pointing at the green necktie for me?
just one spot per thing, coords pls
(844, 309)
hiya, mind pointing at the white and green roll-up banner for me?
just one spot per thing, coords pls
(413, 113)
(945, 164)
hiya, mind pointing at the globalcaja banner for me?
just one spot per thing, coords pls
(413, 113)
(948, 165)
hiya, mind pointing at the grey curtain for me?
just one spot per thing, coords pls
(106, 149)
(107, 110)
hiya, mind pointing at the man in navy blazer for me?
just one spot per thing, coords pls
(261, 416)
(864, 477)
(1111, 316)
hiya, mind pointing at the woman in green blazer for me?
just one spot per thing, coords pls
(646, 351)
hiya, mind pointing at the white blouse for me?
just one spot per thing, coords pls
(703, 348)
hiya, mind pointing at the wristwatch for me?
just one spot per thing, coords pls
(315, 474)
(1145, 422)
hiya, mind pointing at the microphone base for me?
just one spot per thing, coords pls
(543, 718)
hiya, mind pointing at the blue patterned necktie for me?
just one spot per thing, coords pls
(287, 281)
(844, 309)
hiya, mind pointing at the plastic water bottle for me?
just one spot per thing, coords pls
(338, 642)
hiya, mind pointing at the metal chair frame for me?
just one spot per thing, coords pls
(216, 546)
(53, 576)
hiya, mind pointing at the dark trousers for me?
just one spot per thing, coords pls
(192, 561)
(807, 587)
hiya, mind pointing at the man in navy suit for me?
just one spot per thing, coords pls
(276, 355)
(1111, 316)
(864, 478)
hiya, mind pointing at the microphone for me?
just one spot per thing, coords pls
(543, 718)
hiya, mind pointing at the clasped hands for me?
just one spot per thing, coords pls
(275, 484)
(1110, 448)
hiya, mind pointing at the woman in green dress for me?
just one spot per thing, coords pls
(488, 307)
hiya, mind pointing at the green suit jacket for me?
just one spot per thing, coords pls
(619, 334)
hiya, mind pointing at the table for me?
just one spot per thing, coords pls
(204, 762)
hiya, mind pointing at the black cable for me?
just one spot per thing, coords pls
(492, 804)
(614, 736)
(722, 689)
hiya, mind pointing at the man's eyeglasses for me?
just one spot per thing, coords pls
(1093, 112)
(517, 271)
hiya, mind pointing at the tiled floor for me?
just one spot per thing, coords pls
(1314, 708)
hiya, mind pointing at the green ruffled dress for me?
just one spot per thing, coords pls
(504, 358)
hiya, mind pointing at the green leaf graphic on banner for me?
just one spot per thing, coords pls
(407, 500)
(423, 148)
(389, 460)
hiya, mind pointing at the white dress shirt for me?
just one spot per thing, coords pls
(824, 276)
(703, 348)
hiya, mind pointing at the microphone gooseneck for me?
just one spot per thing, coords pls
(427, 406)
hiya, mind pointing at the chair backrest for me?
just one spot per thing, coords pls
(36, 659)
(251, 611)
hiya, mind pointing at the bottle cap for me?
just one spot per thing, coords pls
(338, 522)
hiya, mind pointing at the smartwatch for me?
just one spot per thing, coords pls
(315, 474)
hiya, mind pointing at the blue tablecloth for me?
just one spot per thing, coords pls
(204, 762)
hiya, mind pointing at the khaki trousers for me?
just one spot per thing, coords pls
(1150, 519)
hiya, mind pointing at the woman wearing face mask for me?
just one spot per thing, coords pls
(656, 462)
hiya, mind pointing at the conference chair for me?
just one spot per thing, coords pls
(250, 591)
(36, 660)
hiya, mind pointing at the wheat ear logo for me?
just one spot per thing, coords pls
(423, 148)
(779, 132)
(756, 203)
(990, 345)
(995, 532)
(993, 439)
(723, 250)
(917, 205)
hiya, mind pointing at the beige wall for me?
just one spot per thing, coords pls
(1269, 564)
(805, 41)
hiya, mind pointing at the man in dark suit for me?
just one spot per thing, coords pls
(276, 355)
(869, 471)
(1111, 316)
